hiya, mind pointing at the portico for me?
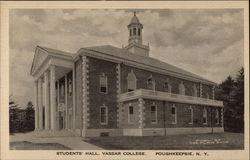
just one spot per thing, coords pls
(54, 87)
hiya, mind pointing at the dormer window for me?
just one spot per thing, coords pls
(151, 83)
(103, 83)
(181, 88)
(131, 81)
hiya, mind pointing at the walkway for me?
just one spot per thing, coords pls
(75, 143)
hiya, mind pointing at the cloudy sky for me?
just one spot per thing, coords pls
(206, 42)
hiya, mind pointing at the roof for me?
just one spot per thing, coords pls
(55, 51)
(135, 20)
(122, 53)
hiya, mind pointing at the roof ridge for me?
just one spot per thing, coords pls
(57, 51)
(174, 69)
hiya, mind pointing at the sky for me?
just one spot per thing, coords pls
(207, 42)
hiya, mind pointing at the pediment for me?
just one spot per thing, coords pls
(39, 58)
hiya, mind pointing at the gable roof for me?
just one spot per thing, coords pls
(122, 53)
(42, 53)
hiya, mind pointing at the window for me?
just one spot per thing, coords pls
(151, 83)
(217, 121)
(134, 31)
(103, 84)
(130, 32)
(131, 81)
(167, 86)
(204, 117)
(181, 88)
(139, 32)
(207, 95)
(174, 115)
(191, 112)
(104, 114)
(194, 93)
(153, 114)
(130, 114)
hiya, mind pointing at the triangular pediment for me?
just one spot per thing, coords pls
(39, 58)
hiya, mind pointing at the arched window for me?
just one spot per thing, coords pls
(191, 112)
(167, 86)
(174, 114)
(181, 88)
(151, 83)
(139, 32)
(131, 81)
(208, 95)
(131, 115)
(217, 121)
(194, 93)
(153, 113)
(134, 31)
(204, 116)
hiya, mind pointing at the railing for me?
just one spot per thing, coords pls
(158, 95)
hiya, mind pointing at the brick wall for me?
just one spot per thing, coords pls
(143, 75)
(126, 105)
(183, 116)
(78, 90)
(96, 99)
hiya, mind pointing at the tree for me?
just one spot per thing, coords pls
(237, 101)
(231, 92)
(13, 115)
(29, 117)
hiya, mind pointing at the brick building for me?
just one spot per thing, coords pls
(104, 90)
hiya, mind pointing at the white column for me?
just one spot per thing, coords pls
(66, 101)
(74, 99)
(52, 98)
(47, 101)
(40, 103)
(36, 106)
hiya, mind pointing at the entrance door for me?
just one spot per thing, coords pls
(61, 120)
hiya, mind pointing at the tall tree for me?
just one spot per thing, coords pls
(237, 101)
(30, 117)
(13, 115)
(231, 92)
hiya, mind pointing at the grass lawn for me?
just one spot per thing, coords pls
(216, 141)
(36, 146)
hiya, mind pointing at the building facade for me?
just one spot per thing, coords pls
(109, 91)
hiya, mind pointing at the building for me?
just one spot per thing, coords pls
(109, 91)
